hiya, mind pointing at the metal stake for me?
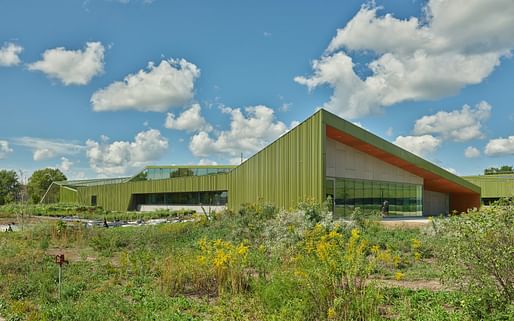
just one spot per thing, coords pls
(59, 259)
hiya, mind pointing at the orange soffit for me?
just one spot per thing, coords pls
(431, 181)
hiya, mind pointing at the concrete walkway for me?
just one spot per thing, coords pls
(407, 221)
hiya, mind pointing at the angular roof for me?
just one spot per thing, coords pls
(435, 178)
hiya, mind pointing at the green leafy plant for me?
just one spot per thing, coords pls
(476, 251)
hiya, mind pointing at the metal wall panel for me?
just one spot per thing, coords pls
(286, 172)
(117, 197)
(494, 186)
(67, 195)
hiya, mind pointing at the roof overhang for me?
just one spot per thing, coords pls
(434, 177)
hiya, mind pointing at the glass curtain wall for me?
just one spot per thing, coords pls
(218, 198)
(347, 194)
(164, 173)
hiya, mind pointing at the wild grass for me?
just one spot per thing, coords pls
(257, 264)
(62, 210)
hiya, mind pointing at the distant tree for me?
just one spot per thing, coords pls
(505, 169)
(9, 186)
(181, 172)
(41, 180)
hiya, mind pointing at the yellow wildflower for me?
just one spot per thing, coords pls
(202, 259)
(221, 259)
(355, 233)
(398, 276)
(417, 256)
(334, 235)
(415, 244)
(331, 314)
(397, 260)
(242, 249)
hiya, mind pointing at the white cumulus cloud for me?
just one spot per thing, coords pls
(247, 134)
(119, 156)
(169, 84)
(65, 165)
(458, 125)
(4, 149)
(9, 54)
(471, 152)
(420, 145)
(190, 120)
(500, 146)
(72, 67)
(457, 43)
(205, 161)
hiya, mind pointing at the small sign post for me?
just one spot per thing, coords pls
(59, 259)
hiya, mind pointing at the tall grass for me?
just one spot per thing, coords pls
(257, 264)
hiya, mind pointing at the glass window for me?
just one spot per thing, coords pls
(419, 199)
(367, 195)
(404, 199)
(349, 194)
(201, 171)
(339, 198)
(377, 196)
(358, 193)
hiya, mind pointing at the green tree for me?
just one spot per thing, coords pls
(9, 186)
(505, 169)
(41, 180)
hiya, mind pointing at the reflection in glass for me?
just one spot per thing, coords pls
(403, 198)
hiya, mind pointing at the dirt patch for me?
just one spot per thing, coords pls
(433, 285)
(404, 224)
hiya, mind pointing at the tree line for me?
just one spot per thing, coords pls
(505, 169)
(13, 189)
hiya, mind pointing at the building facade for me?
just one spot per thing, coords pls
(494, 186)
(323, 157)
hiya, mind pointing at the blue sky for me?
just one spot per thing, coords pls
(101, 88)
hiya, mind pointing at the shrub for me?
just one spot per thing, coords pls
(476, 251)
(336, 274)
(228, 263)
(185, 276)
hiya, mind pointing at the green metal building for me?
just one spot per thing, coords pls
(494, 186)
(323, 156)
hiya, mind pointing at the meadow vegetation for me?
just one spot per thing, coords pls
(62, 210)
(261, 263)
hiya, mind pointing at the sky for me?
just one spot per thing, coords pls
(101, 88)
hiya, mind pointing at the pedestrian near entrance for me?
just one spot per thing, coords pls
(385, 208)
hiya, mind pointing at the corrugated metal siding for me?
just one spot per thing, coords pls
(286, 172)
(493, 187)
(117, 197)
(67, 195)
